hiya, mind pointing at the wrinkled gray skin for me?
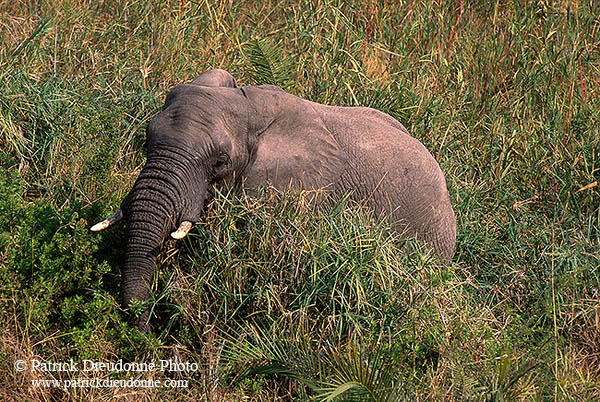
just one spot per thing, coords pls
(210, 131)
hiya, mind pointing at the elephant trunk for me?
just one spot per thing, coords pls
(170, 189)
(142, 245)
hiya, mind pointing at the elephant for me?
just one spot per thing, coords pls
(211, 132)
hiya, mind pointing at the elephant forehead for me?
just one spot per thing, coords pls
(198, 120)
(207, 98)
(187, 117)
(192, 107)
(193, 131)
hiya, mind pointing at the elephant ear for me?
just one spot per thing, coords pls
(294, 146)
(215, 78)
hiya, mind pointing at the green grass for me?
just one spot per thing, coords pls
(275, 299)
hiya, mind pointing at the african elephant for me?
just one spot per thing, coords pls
(210, 132)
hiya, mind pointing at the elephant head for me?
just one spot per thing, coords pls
(210, 132)
(202, 135)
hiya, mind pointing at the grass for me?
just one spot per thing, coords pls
(318, 303)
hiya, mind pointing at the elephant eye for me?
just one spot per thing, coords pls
(221, 162)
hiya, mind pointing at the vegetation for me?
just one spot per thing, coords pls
(278, 300)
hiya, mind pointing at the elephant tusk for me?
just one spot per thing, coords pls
(107, 222)
(182, 231)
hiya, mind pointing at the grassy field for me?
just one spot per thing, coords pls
(273, 299)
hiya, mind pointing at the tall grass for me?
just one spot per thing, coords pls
(276, 299)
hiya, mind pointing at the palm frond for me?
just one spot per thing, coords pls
(360, 373)
(268, 65)
(349, 373)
